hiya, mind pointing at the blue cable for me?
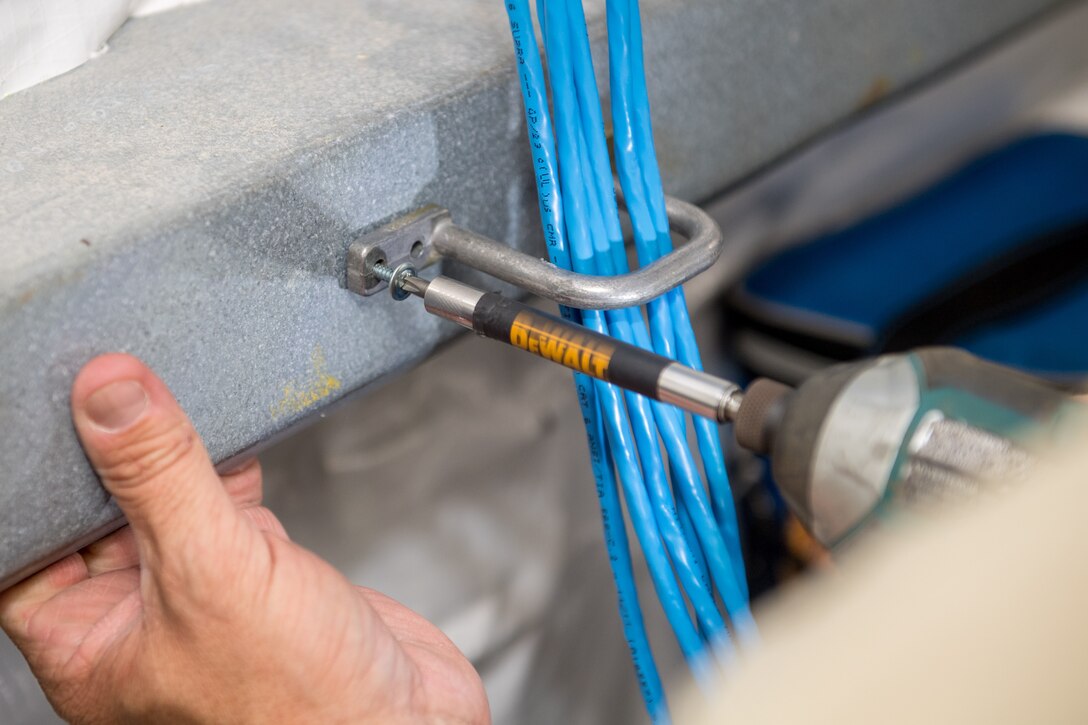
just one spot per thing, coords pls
(706, 431)
(685, 561)
(689, 534)
(692, 528)
(724, 567)
(628, 326)
(577, 207)
(548, 195)
(593, 121)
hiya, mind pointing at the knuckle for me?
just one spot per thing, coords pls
(149, 451)
(245, 485)
(14, 615)
(266, 521)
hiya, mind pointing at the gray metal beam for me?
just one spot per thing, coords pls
(189, 196)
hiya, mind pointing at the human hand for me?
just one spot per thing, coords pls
(202, 610)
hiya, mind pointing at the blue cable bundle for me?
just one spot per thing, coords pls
(689, 537)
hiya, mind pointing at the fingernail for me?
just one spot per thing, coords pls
(116, 406)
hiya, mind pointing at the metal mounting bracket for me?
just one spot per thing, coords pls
(406, 239)
(414, 237)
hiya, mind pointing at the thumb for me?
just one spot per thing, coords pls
(148, 456)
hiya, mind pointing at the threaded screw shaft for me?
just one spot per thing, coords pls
(395, 277)
(383, 271)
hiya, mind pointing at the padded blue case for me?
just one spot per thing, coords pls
(993, 258)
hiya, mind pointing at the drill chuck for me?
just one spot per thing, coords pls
(759, 414)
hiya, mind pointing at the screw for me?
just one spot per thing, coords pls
(382, 271)
(395, 278)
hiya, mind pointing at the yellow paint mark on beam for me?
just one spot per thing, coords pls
(299, 396)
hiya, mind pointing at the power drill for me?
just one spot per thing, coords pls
(935, 422)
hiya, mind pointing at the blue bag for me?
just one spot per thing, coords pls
(993, 258)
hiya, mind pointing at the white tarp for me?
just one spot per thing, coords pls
(40, 39)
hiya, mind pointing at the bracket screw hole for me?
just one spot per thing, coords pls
(417, 250)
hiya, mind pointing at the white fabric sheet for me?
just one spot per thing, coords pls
(40, 39)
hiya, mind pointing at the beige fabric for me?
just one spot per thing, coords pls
(977, 616)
